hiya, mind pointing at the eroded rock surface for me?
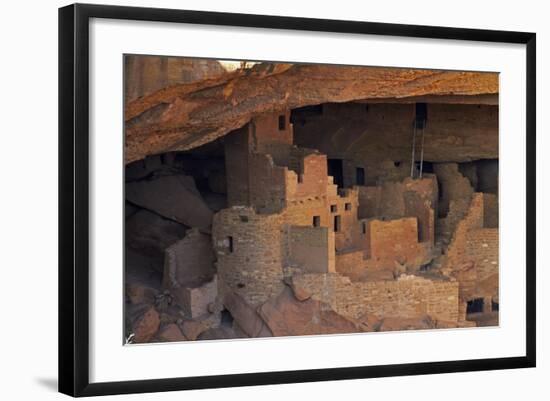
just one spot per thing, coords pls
(174, 197)
(186, 115)
(285, 315)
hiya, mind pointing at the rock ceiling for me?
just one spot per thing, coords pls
(186, 114)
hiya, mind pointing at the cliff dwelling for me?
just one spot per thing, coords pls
(267, 199)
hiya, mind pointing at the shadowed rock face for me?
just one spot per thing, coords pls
(182, 116)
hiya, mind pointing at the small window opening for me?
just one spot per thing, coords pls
(494, 306)
(230, 244)
(337, 223)
(364, 227)
(333, 208)
(282, 123)
(240, 285)
(244, 219)
(397, 164)
(348, 206)
(316, 221)
(360, 176)
(226, 318)
(475, 305)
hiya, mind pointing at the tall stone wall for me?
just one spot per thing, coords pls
(396, 241)
(269, 137)
(267, 184)
(311, 179)
(482, 248)
(454, 186)
(457, 247)
(343, 213)
(490, 210)
(311, 249)
(237, 149)
(250, 252)
(421, 200)
(409, 296)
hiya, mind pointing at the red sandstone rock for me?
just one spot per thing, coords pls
(245, 316)
(145, 326)
(191, 329)
(171, 332)
(286, 316)
(185, 116)
(219, 333)
(139, 292)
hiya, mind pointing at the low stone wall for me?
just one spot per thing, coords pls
(350, 261)
(409, 296)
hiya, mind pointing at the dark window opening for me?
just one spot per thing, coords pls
(494, 306)
(397, 164)
(316, 221)
(300, 178)
(421, 115)
(360, 176)
(364, 227)
(333, 208)
(337, 223)
(348, 206)
(244, 219)
(226, 318)
(240, 285)
(230, 244)
(336, 170)
(282, 123)
(427, 167)
(475, 305)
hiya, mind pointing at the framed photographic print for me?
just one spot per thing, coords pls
(249, 199)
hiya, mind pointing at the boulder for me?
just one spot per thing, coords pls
(286, 316)
(149, 234)
(219, 333)
(172, 196)
(171, 332)
(139, 292)
(146, 325)
(245, 316)
(191, 329)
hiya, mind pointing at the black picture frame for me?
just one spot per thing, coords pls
(74, 198)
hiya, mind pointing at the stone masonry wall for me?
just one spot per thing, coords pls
(350, 261)
(267, 184)
(409, 296)
(311, 249)
(482, 246)
(472, 220)
(250, 251)
(396, 241)
(490, 210)
(268, 138)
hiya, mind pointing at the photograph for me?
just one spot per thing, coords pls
(276, 199)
